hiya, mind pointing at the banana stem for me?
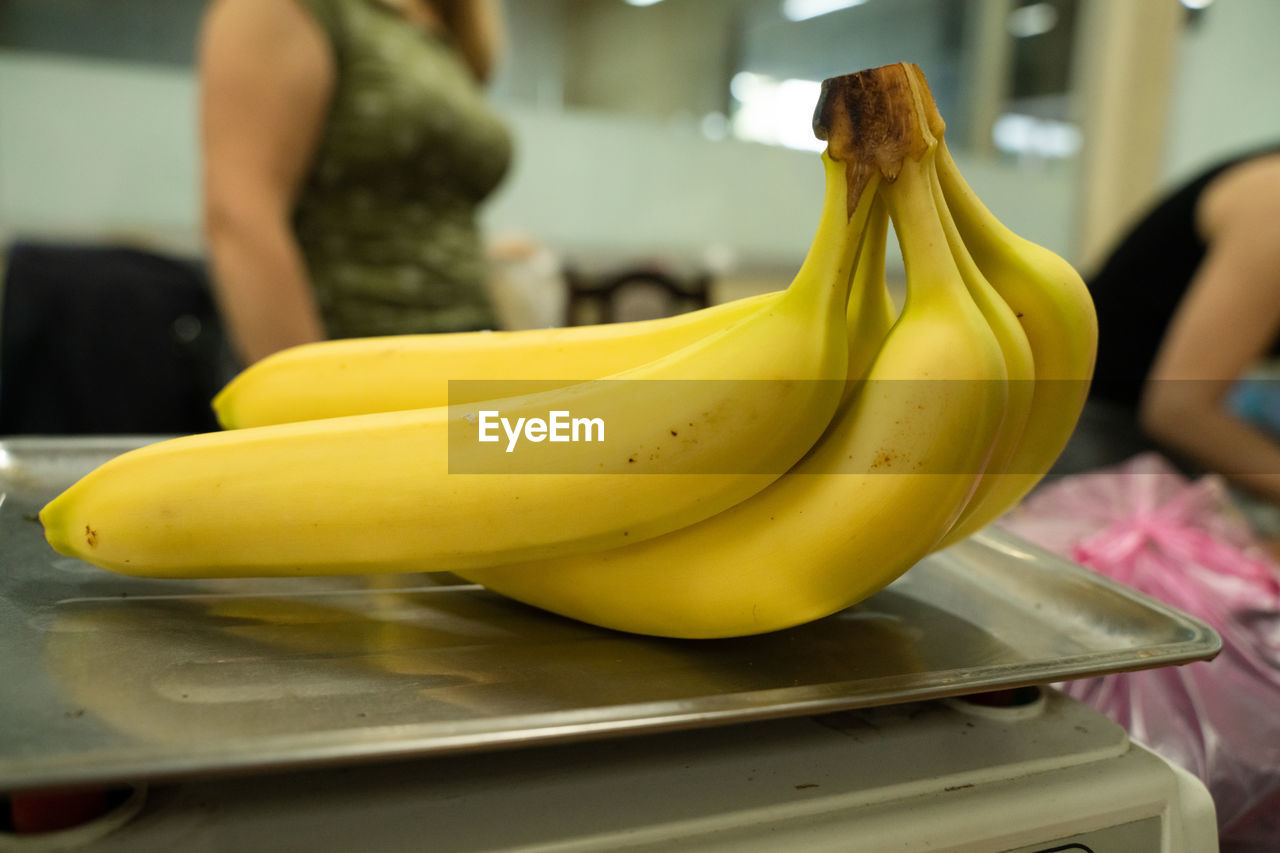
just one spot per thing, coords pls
(877, 124)
(870, 312)
(840, 235)
(931, 269)
(969, 271)
(874, 122)
(980, 229)
(869, 290)
(831, 255)
(955, 189)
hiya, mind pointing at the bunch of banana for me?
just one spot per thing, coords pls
(940, 417)
(885, 483)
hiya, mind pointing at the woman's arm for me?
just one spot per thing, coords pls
(1227, 321)
(266, 77)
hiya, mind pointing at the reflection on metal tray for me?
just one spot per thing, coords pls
(107, 678)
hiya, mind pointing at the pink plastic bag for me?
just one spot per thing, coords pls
(1142, 523)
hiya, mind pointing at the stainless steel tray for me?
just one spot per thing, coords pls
(108, 678)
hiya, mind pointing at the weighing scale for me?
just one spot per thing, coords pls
(421, 712)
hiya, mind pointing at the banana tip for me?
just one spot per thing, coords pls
(54, 532)
(223, 409)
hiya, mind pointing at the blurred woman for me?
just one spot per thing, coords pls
(347, 146)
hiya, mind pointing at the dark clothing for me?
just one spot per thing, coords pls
(107, 339)
(1139, 286)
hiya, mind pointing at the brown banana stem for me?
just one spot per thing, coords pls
(873, 121)
(932, 118)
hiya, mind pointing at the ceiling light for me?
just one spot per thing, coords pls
(802, 10)
(1031, 136)
(1033, 20)
(1197, 4)
(642, 2)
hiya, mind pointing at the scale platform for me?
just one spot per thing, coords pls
(107, 678)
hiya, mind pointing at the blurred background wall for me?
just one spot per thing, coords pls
(680, 129)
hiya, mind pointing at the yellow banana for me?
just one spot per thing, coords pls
(365, 375)
(1019, 362)
(883, 484)
(416, 490)
(359, 376)
(1054, 308)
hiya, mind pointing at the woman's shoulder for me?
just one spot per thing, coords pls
(1248, 191)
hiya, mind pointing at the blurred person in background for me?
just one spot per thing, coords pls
(1188, 307)
(347, 145)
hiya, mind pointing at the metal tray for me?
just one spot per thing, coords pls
(106, 678)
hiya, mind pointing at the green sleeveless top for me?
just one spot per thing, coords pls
(386, 218)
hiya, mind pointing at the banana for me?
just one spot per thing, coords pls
(1054, 308)
(1019, 362)
(365, 375)
(882, 485)
(415, 490)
